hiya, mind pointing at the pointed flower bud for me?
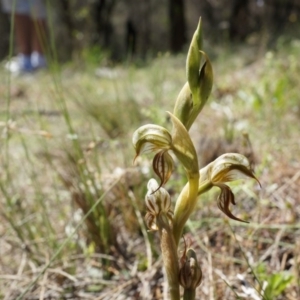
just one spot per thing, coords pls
(196, 91)
(228, 167)
(190, 274)
(157, 201)
(194, 58)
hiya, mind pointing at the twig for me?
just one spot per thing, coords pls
(19, 275)
(270, 251)
(63, 273)
(210, 275)
(287, 184)
(118, 288)
(43, 286)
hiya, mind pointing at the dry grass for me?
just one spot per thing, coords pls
(67, 146)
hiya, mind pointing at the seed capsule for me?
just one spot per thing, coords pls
(190, 274)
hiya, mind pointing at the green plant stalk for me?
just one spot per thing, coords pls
(169, 253)
(189, 294)
(47, 150)
(184, 149)
(8, 98)
(204, 186)
(185, 205)
(39, 194)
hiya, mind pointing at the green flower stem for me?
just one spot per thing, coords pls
(189, 294)
(204, 186)
(169, 253)
(185, 205)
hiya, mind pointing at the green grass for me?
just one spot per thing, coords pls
(72, 202)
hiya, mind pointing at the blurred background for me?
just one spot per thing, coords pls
(72, 201)
(143, 28)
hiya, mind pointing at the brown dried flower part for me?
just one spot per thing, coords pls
(163, 165)
(190, 274)
(226, 198)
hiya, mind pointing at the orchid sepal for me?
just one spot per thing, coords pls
(151, 138)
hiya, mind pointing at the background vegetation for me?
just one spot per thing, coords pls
(72, 203)
(142, 28)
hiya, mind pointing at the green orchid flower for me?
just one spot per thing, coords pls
(157, 139)
(154, 138)
(157, 201)
(226, 168)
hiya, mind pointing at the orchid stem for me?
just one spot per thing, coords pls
(189, 294)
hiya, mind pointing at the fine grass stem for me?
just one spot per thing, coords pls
(65, 242)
